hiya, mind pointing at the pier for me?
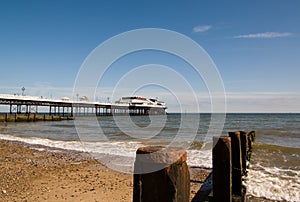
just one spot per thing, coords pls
(20, 104)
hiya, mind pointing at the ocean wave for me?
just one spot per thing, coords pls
(196, 157)
(274, 183)
(270, 147)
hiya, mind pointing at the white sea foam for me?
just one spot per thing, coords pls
(113, 148)
(201, 158)
(124, 149)
(274, 183)
(68, 145)
(116, 155)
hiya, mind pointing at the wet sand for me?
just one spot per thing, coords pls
(28, 174)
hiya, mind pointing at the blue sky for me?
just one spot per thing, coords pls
(255, 46)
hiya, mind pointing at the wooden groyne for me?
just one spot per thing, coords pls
(172, 182)
(231, 155)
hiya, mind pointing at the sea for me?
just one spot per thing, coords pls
(274, 169)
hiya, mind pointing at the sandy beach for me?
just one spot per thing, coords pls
(28, 174)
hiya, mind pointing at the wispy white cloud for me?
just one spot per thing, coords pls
(264, 35)
(202, 28)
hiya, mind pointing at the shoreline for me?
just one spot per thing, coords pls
(29, 174)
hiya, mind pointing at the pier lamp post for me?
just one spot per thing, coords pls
(23, 91)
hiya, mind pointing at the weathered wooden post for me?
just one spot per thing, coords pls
(244, 143)
(222, 172)
(236, 163)
(251, 138)
(161, 174)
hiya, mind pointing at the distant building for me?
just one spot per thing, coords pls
(65, 99)
(84, 98)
